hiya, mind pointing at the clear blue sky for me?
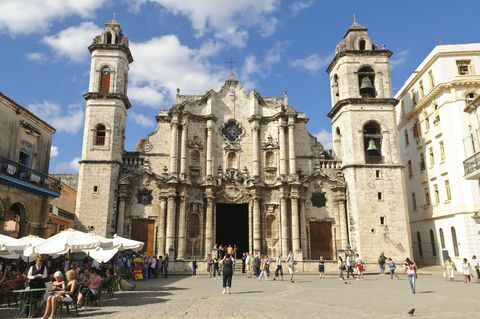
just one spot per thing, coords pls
(278, 45)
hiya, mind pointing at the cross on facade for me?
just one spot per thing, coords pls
(354, 18)
(231, 62)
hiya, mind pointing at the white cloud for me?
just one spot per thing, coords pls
(69, 120)
(226, 20)
(142, 120)
(163, 64)
(252, 67)
(300, 5)
(325, 138)
(312, 63)
(69, 167)
(36, 57)
(33, 16)
(399, 58)
(72, 42)
(54, 151)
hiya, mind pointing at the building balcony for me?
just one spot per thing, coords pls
(471, 166)
(17, 175)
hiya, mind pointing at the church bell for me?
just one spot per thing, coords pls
(366, 87)
(371, 145)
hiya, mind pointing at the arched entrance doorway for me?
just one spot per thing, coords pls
(15, 223)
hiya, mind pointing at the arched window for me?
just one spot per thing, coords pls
(270, 227)
(419, 242)
(231, 159)
(454, 241)
(193, 226)
(442, 238)
(195, 158)
(109, 38)
(432, 241)
(105, 80)
(100, 133)
(335, 88)
(270, 159)
(372, 141)
(366, 82)
(338, 143)
(362, 44)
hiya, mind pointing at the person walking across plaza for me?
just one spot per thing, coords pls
(321, 267)
(209, 265)
(291, 265)
(216, 268)
(467, 271)
(360, 266)
(450, 269)
(476, 265)
(341, 268)
(257, 262)
(411, 270)
(264, 268)
(348, 265)
(227, 271)
(381, 263)
(194, 267)
(392, 266)
(278, 268)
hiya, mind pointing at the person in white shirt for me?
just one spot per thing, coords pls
(348, 265)
(278, 268)
(37, 274)
(247, 264)
(476, 265)
(291, 265)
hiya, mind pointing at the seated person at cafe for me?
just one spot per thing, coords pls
(92, 284)
(57, 285)
(66, 294)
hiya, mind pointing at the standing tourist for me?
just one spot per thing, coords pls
(278, 268)
(411, 270)
(209, 265)
(341, 268)
(257, 265)
(244, 256)
(248, 266)
(381, 263)
(160, 266)
(264, 268)
(165, 266)
(194, 267)
(450, 269)
(467, 271)
(230, 251)
(227, 267)
(360, 266)
(291, 265)
(321, 267)
(348, 265)
(476, 265)
(216, 268)
(152, 267)
(392, 266)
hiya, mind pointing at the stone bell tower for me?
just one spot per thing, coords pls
(104, 130)
(365, 140)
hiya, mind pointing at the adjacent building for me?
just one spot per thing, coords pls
(61, 210)
(438, 131)
(25, 187)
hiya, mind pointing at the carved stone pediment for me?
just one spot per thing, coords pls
(232, 147)
(269, 143)
(233, 193)
(195, 142)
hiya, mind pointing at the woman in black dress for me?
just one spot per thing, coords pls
(227, 265)
(321, 267)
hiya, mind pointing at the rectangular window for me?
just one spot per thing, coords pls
(406, 138)
(436, 194)
(413, 95)
(447, 191)
(463, 67)
(377, 173)
(410, 170)
(414, 201)
(421, 92)
(422, 162)
(95, 189)
(442, 151)
(427, 196)
(431, 158)
(24, 158)
(427, 123)
(382, 220)
(431, 78)
(379, 195)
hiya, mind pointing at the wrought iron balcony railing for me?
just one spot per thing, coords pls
(26, 174)
(472, 164)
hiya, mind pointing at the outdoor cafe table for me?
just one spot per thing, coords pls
(25, 299)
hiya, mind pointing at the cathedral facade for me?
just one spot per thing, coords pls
(235, 167)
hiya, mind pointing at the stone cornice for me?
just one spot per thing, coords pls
(115, 47)
(97, 95)
(341, 54)
(357, 101)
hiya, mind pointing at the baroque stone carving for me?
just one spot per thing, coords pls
(195, 143)
(147, 146)
(269, 143)
(145, 197)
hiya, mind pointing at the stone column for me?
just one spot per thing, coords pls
(182, 228)
(256, 149)
(291, 146)
(295, 220)
(209, 168)
(183, 151)
(256, 225)
(303, 228)
(250, 227)
(121, 215)
(209, 225)
(283, 146)
(284, 225)
(161, 226)
(343, 225)
(171, 208)
(173, 145)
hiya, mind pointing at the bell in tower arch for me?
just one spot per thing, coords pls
(371, 145)
(366, 87)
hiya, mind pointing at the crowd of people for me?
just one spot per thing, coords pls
(142, 267)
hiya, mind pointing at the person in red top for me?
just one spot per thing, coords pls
(93, 284)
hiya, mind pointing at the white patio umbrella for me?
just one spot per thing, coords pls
(126, 244)
(104, 253)
(9, 244)
(68, 240)
(28, 241)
